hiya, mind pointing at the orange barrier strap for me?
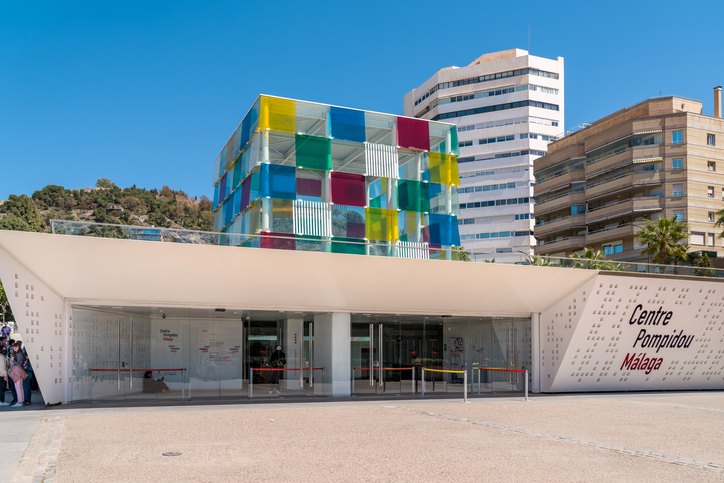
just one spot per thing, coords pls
(499, 369)
(449, 371)
(280, 369)
(140, 370)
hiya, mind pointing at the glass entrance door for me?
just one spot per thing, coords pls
(383, 357)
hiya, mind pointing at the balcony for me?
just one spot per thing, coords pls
(563, 245)
(624, 182)
(610, 234)
(557, 182)
(559, 202)
(561, 224)
(625, 207)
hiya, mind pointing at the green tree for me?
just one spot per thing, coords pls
(459, 254)
(704, 266)
(662, 240)
(540, 261)
(21, 214)
(6, 314)
(595, 260)
(720, 221)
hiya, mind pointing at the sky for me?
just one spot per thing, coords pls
(146, 93)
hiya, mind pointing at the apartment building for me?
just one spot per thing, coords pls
(661, 157)
(507, 106)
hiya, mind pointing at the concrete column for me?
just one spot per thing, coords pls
(535, 352)
(294, 349)
(332, 352)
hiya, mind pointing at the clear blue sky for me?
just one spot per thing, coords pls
(146, 92)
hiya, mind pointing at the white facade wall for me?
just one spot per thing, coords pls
(516, 121)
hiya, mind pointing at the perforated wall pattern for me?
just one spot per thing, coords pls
(630, 333)
(41, 324)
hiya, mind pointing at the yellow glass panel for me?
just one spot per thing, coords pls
(381, 224)
(278, 114)
(444, 169)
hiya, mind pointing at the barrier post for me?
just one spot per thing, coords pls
(526, 385)
(465, 382)
(422, 382)
(414, 389)
(478, 381)
(251, 382)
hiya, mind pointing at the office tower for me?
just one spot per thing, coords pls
(507, 106)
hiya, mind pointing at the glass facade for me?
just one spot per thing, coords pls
(167, 354)
(307, 176)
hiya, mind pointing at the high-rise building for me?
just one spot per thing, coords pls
(507, 106)
(308, 176)
(661, 157)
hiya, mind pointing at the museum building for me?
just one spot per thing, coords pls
(333, 271)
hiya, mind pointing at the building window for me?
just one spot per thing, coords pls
(613, 248)
(677, 137)
(578, 209)
(696, 238)
(677, 164)
(711, 216)
(711, 166)
(677, 189)
(709, 191)
(679, 215)
(710, 239)
(711, 139)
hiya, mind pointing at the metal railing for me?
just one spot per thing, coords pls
(301, 243)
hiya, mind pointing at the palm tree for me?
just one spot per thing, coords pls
(540, 261)
(720, 221)
(590, 258)
(460, 254)
(662, 240)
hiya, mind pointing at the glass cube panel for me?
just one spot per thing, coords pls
(253, 218)
(278, 181)
(454, 147)
(222, 188)
(347, 124)
(413, 133)
(382, 193)
(413, 195)
(313, 152)
(443, 230)
(380, 128)
(348, 157)
(348, 189)
(236, 179)
(281, 148)
(281, 218)
(438, 137)
(409, 223)
(443, 168)
(312, 119)
(408, 164)
(348, 221)
(278, 114)
(353, 246)
(309, 184)
(279, 241)
(381, 224)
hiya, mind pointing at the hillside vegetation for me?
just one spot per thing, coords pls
(106, 203)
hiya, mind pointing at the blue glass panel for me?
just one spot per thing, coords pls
(245, 130)
(444, 230)
(228, 211)
(278, 181)
(347, 124)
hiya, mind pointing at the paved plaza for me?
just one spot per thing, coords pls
(612, 437)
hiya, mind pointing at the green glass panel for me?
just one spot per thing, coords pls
(413, 196)
(454, 148)
(237, 173)
(313, 152)
(354, 246)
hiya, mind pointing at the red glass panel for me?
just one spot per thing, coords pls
(280, 241)
(413, 133)
(348, 189)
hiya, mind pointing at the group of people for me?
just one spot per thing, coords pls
(16, 372)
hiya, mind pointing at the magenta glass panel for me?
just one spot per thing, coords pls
(413, 133)
(348, 189)
(309, 187)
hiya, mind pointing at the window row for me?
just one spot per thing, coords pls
(503, 202)
(494, 108)
(496, 234)
(509, 154)
(492, 92)
(488, 187)
(508, 122)
(486, 78)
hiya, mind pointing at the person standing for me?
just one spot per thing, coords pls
(28, 368)
(277, 360)
(18, 375)
(3, 375)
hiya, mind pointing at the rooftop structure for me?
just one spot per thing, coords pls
(312, 176)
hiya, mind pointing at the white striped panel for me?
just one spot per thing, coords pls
(413, 250)
(381, 160)
(312, 218)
